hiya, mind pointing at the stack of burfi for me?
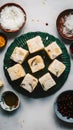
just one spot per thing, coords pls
(36, 63)
(19, 55)
(47, 81)
(29, 82)
(35, 44)
(53, 50)
(16, 72)
(56, 68)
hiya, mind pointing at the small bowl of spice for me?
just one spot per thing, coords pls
(3, 40)
(64, 24)
(12, 17)
(9, 101)
(64, 106)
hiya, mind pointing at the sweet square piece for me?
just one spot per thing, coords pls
(36, 63)
(19, 55)
(16, 72)
(56, 67)
(1, 83)
(47, 81)
(29, 82)
(53, 50)
(35, 44)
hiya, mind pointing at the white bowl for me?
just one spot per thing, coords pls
(9, 101)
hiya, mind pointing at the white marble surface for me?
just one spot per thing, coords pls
(36, 114)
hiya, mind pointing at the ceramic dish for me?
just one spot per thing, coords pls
(71, 49)
(9, 19)
(3, 40)
(64, 25)
(47, 39)
(9, 101)
(64, 106)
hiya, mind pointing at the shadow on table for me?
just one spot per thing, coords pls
(63, 124)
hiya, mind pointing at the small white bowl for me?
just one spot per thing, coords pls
(9, 101)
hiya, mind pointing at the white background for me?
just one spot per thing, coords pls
(36, 114)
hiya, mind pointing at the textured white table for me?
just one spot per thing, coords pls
(36, 114)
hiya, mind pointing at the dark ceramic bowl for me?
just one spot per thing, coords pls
(60, 25)
(71, 49)
(18, 6)
(63, 106)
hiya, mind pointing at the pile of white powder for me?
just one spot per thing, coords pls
(68, 25)
(12, 18)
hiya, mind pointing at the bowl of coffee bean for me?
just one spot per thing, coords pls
(63, 106)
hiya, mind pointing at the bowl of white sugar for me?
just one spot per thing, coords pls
(12, 17)
(64, 24)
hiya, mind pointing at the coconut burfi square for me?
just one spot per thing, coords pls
(53, 50)
(1, 83)
(19, 55)
(35, 44)
(29, 82)
(16, 72)
(47, 81)
(56, 67)
(36, 63)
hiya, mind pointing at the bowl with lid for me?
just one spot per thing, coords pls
(9, 101)
(12, 17)
(64, 24)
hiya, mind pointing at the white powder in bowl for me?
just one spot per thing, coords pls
(68, 25)
(12, 18)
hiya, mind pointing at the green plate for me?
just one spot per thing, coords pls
(47, 39)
